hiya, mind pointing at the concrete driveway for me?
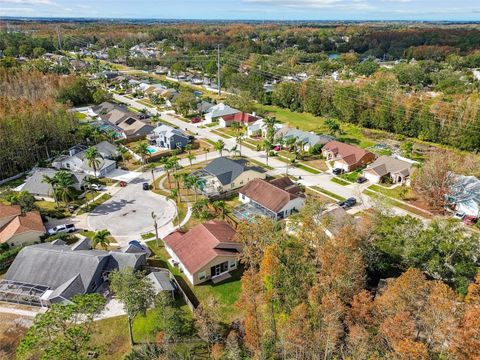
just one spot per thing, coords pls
(128, 213)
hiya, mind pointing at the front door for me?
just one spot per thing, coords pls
(219, 269)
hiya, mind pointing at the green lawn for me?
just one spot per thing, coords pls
(226, 293)
(339, 181)
(329, 193)
(94, 204)
(80, 116)
(399, 192)
(351, 176)
(308, 169)
(304, 121)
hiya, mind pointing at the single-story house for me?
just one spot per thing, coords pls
(104, 108)
(223, 175)
(206, 252)
(76, 161)
(276, 199)
(241, 118)
(464, 195)
(346, 156)
(35, 184)
(388, 167)
(259, 128)
(167, 137)
(54, 272)
(203, 106)
(216, 112)
(17, 228)
(308, 139)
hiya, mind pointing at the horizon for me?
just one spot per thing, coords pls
(248, 10)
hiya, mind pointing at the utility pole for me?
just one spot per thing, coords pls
(219, 83)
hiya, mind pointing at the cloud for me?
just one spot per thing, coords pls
(28, 2)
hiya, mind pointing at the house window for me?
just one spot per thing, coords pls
(233, 264)
(201, 275)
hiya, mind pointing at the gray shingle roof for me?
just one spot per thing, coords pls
(34, 184)
(226, 170)
(161, 281)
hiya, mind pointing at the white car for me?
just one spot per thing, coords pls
(97, 187)
(64, 228)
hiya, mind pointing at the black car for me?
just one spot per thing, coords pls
(146, 186)
(338, 171)
(347, 203)
(361, 179)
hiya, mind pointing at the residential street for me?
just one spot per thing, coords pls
(308, 179)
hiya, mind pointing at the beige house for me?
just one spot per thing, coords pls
(19, 229)
(225, 175)
(206, 252)
(346, 156)
(386, 167)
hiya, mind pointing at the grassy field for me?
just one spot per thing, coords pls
(94, 204)
(351, 176)
(398, 192)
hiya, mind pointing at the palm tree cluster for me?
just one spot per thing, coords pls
(206, 209)
(62, 184)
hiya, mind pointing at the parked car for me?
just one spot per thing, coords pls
(64, 228)
(123, 183)
(277, 148)
(361, 179)
(97, 187)
(459, 215)
(196, 120)
(145, 186)
(347, 203)
(470, 220)
(338, 171)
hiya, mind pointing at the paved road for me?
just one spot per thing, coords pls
(322, 180)
(128, 213)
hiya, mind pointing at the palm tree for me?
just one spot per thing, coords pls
(189, 148)
(88, 182)
(190, 158)
(111, 135)
(142, 150)
(155, 226)
(220, 146)
(207, 150)
(199, 209)
(52, 181)
(167, 167)
(174, 196)
(152, 167)
(270, 125)
(101, 238)
(192, 182)
(239, 140)
(291, 162)
(219, 206)
(93, 156)
(122, 150)
(177, 176)
(268, 146)
(65, 190)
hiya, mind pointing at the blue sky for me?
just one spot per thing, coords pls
(249, 9)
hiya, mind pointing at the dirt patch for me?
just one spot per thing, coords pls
(12, 329)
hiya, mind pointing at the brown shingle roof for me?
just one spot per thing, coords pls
(9, 210)
(31, 221)
(271, 195)
(349, 153)
(202, 244)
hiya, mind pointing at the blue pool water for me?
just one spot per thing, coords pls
(151, 150)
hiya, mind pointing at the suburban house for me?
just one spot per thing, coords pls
(259, 129)
(203, 106)
(35, 184)
(241, 118)
(76, 161)
(162, 281)
(206, 252)
(104, 108)
(49, 273)
(387, 167)
(464, 195)
(216, 112)
(225, 175)
(346, 156)
(17, 228)
(276, 199)
(307, 140)
(167, 137)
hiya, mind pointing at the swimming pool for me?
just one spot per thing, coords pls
(151, 150)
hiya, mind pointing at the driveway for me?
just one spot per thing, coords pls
(128, 213)
(123, 175)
